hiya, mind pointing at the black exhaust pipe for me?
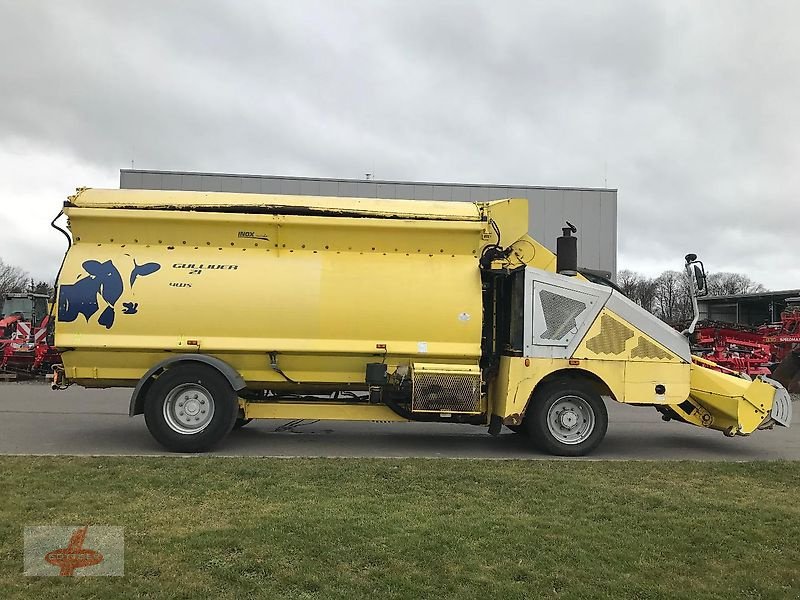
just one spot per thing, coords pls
(567, 251)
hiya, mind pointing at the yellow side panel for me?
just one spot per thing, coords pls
(515, 382)
(630, 383)
(730, 401)
(243, 203)
(612, 338)
(322, 292)
(641, 379)
(319, 410)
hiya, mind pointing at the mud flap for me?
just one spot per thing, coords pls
(787, 372)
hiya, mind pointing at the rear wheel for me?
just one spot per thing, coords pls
(566, 418)
(190, 408)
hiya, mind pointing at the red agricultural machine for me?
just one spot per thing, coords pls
(772, 349)
(24, 333)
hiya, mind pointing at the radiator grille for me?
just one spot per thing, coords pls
(560, 313)
(446, 392)
(612, 337)
(647, 349)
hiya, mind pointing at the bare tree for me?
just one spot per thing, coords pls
(728, 284)
(12, 279)
(672, 301)
(42, 287)
(628, 282)
(668, 295)
(639, 288)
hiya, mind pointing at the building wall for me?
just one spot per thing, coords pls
(592, 211)
(746, 309)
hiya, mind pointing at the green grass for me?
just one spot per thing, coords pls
(349, 529)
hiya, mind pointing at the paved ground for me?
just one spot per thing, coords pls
(36, 420)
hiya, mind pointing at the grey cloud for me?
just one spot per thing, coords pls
(692, 105)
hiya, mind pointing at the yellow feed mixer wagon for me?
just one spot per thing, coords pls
(220, 308)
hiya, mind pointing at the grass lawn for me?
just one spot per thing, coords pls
(383, 528)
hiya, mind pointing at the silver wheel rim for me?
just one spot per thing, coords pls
(188, 408)
(570, 420)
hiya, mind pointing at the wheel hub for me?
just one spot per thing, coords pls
(188, 408)
(570, 420)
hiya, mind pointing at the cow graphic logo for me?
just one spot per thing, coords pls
(74, 551)
(103, 281)
(74, 556)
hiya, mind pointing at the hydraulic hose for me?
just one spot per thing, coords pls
(61, 266)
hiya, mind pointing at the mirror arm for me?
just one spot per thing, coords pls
(691, 260)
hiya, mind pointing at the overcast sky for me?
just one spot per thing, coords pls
(690, 108)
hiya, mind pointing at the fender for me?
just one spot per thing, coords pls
(231, 374)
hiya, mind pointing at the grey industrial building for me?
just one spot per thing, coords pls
(592, 210)
(746, 309)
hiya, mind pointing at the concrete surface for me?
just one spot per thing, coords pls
(36, 420)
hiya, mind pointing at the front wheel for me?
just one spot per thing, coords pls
(566, 418)
(190, 408)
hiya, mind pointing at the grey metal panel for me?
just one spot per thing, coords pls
(309, 188)
(571, 209)
(423, 192)
(151, 181)
(498, 193)
(460, 193)
(230, 184)
(171, 181)
(290, 186)
(608, 226)
(328, 188)
(211, 183)
(441, 192)
(386, 190)
(478, 194)
(515, 193)
(130, 181)
(404, 191)
(251, 185)
(193, 183)
(553, 221)
(348, 189)
(272, 185)
(600, 293)
(590, 231)
(536, 213)
(366, 190)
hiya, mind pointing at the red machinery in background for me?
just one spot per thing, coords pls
(764, 350)
(784, 336)
(24, 335)
(736, 347)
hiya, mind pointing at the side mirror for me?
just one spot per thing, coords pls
(697, 275)
(700, 280)
(698, 286)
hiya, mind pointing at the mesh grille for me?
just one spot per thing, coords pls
(612, 337)
(647, 349)
(560, 313)
(446, 392)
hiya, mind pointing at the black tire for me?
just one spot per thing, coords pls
(582, 404)
(193, 385)
(240, 422)
(520, 429)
